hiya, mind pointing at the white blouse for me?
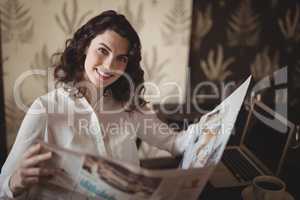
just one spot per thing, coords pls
(104, 129)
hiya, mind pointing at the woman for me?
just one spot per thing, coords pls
(98, 110)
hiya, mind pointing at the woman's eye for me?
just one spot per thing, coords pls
(102, 51)
(123, 59)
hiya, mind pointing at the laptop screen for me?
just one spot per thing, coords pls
(264, 141)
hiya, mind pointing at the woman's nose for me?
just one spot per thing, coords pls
(108, 63)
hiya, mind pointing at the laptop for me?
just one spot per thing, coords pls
(261, 151)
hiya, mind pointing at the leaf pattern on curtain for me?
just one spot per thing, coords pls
(154, 70)
(177, 22)
(203, 25)
(16, 22)
(215, 67)
(137, 20)
(264, 64)
(290, 25)
(243, 28)
(69, 22)
(42, 61)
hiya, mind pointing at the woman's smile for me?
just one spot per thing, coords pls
(103, 75)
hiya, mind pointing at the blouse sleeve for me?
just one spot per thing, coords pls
(157, 133)
(32, 128)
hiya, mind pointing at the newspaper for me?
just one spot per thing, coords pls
(105, 179)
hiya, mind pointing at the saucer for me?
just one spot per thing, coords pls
(247, 194)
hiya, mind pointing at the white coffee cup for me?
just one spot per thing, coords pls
(268, 188)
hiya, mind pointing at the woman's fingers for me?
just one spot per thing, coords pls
(37, 172)
(35, 149)
(30, 181)
(29, 172)
(37, 159)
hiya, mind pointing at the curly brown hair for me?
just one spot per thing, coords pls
(70, 67)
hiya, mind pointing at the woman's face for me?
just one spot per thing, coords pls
(106, 58)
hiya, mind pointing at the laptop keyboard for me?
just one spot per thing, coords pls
(239, 165)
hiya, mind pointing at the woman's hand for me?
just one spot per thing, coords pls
(30, 171)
